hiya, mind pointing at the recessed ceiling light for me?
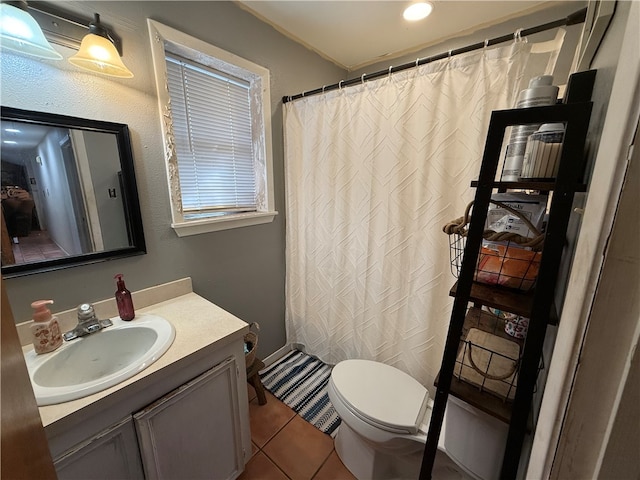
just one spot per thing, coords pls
(417, 11)
(9, 141)
(12, 130)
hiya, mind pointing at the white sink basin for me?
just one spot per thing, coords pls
(98, 361)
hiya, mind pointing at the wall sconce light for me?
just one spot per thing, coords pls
(98, 53)
(99, 48)
(19, 32)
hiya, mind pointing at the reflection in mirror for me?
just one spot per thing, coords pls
(68, 192)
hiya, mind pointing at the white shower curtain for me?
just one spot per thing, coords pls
(373, 172)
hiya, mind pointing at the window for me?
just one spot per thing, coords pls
(215, 109)
(211, 115)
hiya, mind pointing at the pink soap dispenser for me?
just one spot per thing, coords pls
(45, 328)
(123, 300)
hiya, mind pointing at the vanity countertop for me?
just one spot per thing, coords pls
(198, 324)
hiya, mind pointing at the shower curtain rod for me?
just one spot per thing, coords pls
(573, 19)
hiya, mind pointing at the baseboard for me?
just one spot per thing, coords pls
(281, 352)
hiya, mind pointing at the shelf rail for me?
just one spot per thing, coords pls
(575, 113)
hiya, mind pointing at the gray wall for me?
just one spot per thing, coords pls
(104, 165)
(58, 205)
(241, 270)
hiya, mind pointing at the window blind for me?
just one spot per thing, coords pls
(211, 115)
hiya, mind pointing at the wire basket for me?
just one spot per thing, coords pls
(488, 357)
(489, 362)
(250, 344)
(506, 259)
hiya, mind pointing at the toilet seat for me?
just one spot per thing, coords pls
(381, 395)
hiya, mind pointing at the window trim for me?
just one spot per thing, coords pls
(259, 77)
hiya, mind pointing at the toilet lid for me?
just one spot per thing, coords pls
(381, 394)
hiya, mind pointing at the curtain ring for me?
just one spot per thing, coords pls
(417, 60)
(517, 35)
(340, 84)
(390, 67)
(362, 78)
(323, 87)
(450, 53)
(486, 42)
(289, 98)
(303, 94)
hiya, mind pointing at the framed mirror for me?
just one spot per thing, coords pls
(69, 194)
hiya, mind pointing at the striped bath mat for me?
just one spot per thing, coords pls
(300, 381)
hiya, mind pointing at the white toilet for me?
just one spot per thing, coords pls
(385, 418)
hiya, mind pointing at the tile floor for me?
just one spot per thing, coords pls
(287, 447)
(36, 248)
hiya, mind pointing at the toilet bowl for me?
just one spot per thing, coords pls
(385, 418)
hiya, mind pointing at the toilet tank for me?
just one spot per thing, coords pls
(474, 439)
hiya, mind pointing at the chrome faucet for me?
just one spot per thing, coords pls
(88, 323)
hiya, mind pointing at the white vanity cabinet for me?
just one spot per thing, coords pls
(194, 431)
(113, 453)
(185, 416)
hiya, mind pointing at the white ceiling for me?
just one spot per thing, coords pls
(27, 136)
(357, 33)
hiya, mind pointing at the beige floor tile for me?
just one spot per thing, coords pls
(261, 468)
(333, 469)
(299, 449)
(267, 420)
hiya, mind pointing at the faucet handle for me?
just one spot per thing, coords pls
(86, 312)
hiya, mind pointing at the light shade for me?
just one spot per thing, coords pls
(20, 33)
(98, 54)
(417, 11)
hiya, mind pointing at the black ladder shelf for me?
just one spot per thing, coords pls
(536, 305)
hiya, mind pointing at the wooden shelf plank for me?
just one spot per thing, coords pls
(512, 301)
(541, 185)
(504, 299)
(479, 399)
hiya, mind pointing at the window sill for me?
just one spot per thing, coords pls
(206, 225)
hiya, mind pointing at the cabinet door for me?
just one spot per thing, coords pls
(194, 431)
(111, 454)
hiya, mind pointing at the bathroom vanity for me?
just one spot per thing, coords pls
(184, 416)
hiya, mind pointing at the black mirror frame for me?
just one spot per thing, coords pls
(130, 191)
